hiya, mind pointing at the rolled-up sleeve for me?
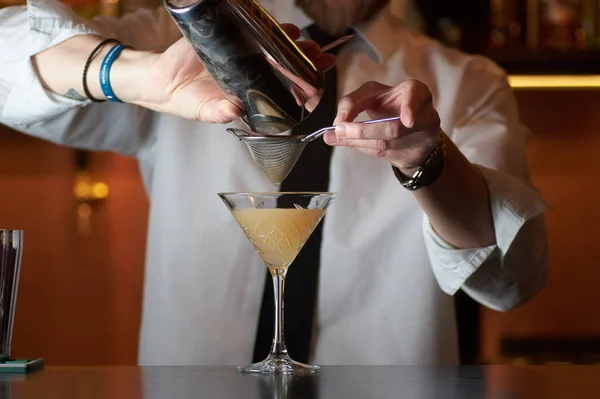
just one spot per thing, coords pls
(506, 274)
(26, 31)
(26, 106)
(514, 269)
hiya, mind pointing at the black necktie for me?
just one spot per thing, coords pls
(311, 173)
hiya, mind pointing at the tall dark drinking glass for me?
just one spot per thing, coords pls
(11, 247)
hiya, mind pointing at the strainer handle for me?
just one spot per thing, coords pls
(320, 132)
(237, 133)
(315, 135)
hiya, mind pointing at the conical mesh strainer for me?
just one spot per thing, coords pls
(276, 155)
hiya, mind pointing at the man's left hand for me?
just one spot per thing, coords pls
(405, 143)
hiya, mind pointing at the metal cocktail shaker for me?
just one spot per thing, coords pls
(252, 59)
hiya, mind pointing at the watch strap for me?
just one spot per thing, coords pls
(429, 171)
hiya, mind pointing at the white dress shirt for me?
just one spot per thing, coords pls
(386, 277)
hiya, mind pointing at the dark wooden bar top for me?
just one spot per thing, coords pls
(334, 382)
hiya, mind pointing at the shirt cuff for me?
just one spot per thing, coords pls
(28, 103)
(512, 204)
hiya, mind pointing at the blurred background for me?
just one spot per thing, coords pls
(85, 214)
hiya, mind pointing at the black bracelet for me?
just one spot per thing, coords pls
(86, 90)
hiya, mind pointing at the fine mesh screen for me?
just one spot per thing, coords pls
(275, 156)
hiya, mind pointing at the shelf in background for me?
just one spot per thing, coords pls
(529, 69)
(528, 62)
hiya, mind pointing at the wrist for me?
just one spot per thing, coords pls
(427, 172)
(126, 75)
(405, 170)
(429, 144)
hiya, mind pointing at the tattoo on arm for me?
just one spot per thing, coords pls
(73, 95)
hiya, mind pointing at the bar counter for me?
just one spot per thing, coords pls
(332, 383)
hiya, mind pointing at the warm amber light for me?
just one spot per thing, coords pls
(86, 191)
(554, 81)
(100, 190)
(82, 189)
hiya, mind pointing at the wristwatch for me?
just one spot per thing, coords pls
(429, 171)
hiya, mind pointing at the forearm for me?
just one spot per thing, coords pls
(60, 69)
(457, 204)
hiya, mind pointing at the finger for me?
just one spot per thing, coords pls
(376, 145)
(312, 102)
(427, 118)
(218, 111)
(297, 93)
(368, 96)
(376, 148)
(389, 130)
(292, 31)
(330, 138)
(413, 99)
(409, 151)
(374, 152)
(227, 111)
(309, 48)
(325, 62)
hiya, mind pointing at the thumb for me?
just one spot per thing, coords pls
(229, 110)
(218, 111)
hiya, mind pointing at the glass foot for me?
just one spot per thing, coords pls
(280, 364)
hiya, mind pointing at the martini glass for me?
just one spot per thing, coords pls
(278, 225)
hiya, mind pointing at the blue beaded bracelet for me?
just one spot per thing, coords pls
(107, 62)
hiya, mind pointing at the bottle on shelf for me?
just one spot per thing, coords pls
(556, 25)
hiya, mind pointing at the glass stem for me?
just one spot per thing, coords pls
(278, 348)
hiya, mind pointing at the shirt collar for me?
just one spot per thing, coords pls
(376, 34)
